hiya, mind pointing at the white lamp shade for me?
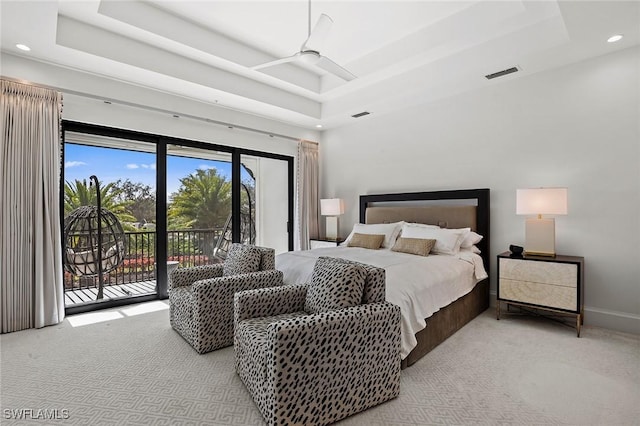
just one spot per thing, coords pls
(331, 207)
(537, 201)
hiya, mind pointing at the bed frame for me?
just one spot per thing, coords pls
(448, 209)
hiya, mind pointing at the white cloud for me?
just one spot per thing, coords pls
(132, 166)
(74, 164)
(205, 167)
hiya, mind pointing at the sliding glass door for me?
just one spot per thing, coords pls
(179, 203)
(119, 176)
(265, 197)
(198, 205)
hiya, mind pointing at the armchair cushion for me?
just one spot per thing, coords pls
(334, 286)
(242, 259)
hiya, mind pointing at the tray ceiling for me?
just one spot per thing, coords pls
(403, 52)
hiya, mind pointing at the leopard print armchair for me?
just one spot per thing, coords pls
(201, 297)
(317, 368)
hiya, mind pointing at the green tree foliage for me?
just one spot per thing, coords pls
(139, 198)
(203, 201)
(78, 193)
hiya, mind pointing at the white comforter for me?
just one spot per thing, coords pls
(420, 286)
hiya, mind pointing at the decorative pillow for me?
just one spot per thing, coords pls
(241, 259)
(419, 246)
(368, 241)
(390, 231)
(334, 285)
(447, 240)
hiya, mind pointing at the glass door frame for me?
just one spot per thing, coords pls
(161, 142)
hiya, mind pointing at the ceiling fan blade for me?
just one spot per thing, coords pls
(276, 62)
(335, 69)
(318, 34)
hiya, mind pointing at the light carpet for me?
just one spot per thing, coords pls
(126, 366)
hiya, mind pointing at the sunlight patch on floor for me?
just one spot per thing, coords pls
(93, 318)
(115, 313)
(144, 308)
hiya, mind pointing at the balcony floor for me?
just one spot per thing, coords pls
(120, 291)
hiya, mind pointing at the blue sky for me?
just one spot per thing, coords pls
(109, 165)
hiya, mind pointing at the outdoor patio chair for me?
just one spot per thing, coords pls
(312, 354)
(201, 297)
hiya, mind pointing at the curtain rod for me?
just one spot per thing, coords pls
(154, 109)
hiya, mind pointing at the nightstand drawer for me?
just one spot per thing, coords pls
(553, 296)
(559, 274)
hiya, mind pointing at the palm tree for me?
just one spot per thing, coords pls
(78, 193)
(203, 200)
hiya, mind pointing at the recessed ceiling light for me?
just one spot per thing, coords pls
(614, 38)
(319, 126)
(23, 47)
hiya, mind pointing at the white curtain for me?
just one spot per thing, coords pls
(31, 284)
(307, 192)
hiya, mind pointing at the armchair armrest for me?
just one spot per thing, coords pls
(182, 277)
(216, 289)
(269, 301)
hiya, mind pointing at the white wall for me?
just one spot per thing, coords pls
(576, 126)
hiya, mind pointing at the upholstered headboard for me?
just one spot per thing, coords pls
(443, 216)
(447, 209)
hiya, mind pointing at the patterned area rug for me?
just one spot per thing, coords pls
(127, 366)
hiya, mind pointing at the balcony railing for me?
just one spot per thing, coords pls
(190, 247)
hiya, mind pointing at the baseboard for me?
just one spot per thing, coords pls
(604, 318)
(613, 320)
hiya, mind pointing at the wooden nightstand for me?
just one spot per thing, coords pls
(321, 243)
(553, 284)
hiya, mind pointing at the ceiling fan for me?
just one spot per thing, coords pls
(310, 51)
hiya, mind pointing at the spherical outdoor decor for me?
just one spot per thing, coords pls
(85, 239)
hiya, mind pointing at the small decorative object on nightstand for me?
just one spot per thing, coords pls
(321, 243)
(542, 283)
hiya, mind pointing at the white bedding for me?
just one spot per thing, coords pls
(420, 286)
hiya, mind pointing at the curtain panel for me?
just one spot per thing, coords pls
(307, 193)
(31, 284)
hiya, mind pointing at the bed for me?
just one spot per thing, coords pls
(453, 292)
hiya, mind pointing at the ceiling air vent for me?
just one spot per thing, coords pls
(361, 114)
(501, 73)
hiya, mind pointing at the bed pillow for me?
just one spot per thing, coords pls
(334, 285)
(470, 239)
(447, 240)
(419, 246)
(389, 230)
(368, 241)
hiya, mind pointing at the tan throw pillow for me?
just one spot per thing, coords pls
(368, 241)
(419, 246)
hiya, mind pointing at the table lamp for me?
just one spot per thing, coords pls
(540, 233)
(332, 208)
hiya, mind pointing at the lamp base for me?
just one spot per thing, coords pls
(540, 237)
(331, 230)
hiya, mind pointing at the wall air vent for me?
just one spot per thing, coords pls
(501, 73)
(361, 114)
